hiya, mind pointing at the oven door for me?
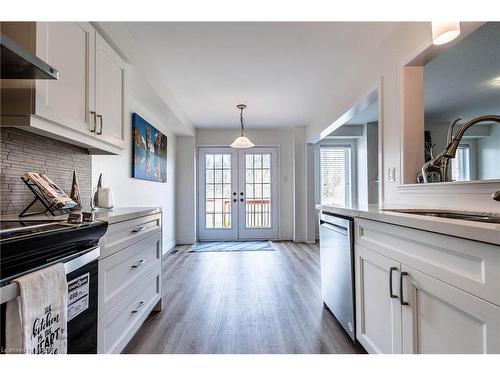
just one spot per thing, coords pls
(81, 275)
(82, 309)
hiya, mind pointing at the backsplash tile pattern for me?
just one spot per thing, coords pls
(21, 151)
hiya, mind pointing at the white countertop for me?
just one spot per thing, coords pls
(114, 215)
(484, 232)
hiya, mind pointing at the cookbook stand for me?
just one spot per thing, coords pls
(39, 197)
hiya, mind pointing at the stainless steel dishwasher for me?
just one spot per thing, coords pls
(337, 269)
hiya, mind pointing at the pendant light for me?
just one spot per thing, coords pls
(242, 141)
(444, 32)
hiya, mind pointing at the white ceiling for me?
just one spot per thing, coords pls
(280, 70)
(460, 82)
(369, 114)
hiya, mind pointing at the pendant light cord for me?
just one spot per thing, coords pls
(241, 120)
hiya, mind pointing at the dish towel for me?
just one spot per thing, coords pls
(36, 321)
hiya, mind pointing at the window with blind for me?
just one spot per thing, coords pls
(335, 170)
(460, 164)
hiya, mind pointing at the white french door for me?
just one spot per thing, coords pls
(238, 193)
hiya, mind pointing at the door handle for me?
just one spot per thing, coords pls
(401, 298)
(390, 282)
(95, 122)
(100, 121)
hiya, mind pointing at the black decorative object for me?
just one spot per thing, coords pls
(49, 206)
(93, 199)
(75, 193)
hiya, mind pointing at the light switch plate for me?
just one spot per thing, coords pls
(392, 174)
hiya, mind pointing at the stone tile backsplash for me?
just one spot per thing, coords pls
(22, 151)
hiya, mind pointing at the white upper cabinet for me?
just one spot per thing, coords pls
(86, 105)
(110, 93)
(69, 46)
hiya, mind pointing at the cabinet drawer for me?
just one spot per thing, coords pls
(468, 265)
(125, 233)
(122, 271)
(117, 327)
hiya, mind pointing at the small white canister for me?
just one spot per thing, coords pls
(105, 198)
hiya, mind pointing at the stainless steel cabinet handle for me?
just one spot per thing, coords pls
(138, 308)
(401, 298)
(95, 122)
(100, 121)
(139, 263)
(136, 230)
(390, 282)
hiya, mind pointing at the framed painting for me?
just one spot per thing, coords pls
(149, 151)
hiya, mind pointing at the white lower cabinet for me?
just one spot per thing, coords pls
(118, 326)
(411, 311)
(378, 316)
(440, 318)
(129, 280)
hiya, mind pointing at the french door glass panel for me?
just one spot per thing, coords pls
(217, 183)
(218, 191)
(258, 181)
(237, 193)
(258, 190)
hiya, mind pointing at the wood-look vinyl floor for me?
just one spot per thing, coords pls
(243, 302)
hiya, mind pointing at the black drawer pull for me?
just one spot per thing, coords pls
(138, 308)
(136, 230)
(139, 263)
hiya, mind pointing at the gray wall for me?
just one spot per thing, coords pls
(22, 151)
(488, 150)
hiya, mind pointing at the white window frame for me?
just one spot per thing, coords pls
(350, 143)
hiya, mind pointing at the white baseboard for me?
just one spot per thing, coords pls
(186, 241)
(168, 247)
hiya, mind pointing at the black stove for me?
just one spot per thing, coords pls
(29, 245)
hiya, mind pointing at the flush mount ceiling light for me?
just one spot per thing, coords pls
(444, 32)
(242, 141)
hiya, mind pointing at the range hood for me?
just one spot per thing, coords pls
(18, 63)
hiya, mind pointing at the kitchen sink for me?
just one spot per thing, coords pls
(450, 215)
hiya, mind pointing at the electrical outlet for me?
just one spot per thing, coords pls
(392, 174)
